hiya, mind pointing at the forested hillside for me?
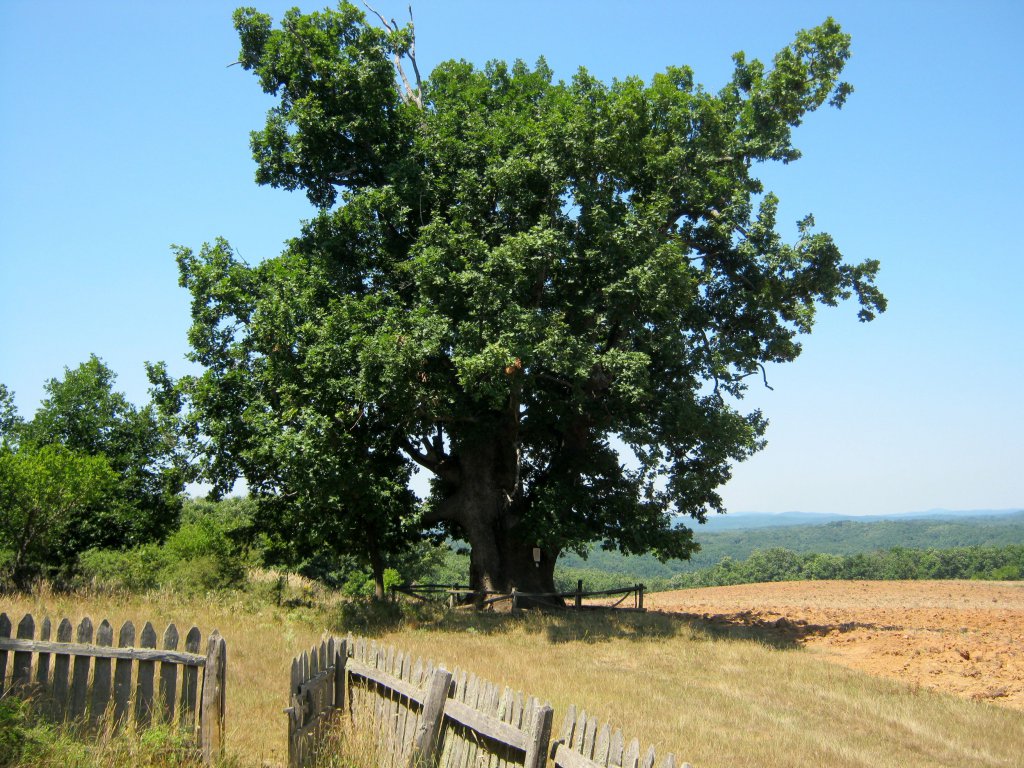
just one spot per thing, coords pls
(835, 538)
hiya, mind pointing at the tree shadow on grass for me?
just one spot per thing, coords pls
(781, 632)
(597, 626)
(594, 625)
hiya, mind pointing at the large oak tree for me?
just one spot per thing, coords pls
(510, 277)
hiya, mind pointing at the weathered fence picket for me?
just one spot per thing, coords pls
(61, 668)
(101, 673)
(5, 633)
(123, 674)
(212, 702)
(80, 676)
(144, 681)
(87, 680)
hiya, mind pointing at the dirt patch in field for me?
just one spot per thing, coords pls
(961, 637)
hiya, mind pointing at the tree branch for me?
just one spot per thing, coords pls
(412, 58)
(442, 466)
(410, 95)
(420, 458)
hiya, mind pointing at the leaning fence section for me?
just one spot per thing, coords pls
(586, 743)
(397, 698)
(79, 675)
(317, 692)
(418, 712)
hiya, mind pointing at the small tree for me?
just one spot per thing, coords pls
(84, 413)
(43, 494)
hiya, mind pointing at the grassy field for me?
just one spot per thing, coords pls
(714, 701)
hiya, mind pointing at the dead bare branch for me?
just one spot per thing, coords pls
(409, 95)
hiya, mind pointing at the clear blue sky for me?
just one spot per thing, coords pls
(123, 130)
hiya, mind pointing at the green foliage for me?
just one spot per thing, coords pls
(10, 421)
(507, 272)
(29, 741)
(370, 617)
(133, 570)
(46, 494)
(837, 538)
(15, 738)
(81, 418)
(361, 583)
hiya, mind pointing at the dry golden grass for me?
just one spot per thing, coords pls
(714, 701)
(719, 702)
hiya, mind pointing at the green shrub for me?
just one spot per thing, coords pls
(134, 570)
(1005, 573)
(198, 557)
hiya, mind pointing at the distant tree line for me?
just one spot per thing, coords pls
(846, 537)
(777, 564)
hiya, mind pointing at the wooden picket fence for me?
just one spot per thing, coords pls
(87, 679)
(585, 743)
(421, 713)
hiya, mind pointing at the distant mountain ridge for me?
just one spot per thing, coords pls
(816, 532)
(751, 520)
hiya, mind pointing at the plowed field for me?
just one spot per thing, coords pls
(962, 637)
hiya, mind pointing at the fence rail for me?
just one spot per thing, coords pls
(456, 593)
(86, 679)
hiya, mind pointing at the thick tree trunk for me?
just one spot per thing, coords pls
(499, 560)
(483, 504)
(377, 568)
(505, 563)
(483, 497)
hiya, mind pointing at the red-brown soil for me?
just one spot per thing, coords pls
(962, 637)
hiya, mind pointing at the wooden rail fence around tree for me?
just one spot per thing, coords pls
(457, 593)
(80, 676)
(421, 714)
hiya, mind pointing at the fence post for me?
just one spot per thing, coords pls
(579, 593)
(425, 742)
(5, 633)
(294, 712)
(640, 596)
(211, 719)
(515, 600)
(340, 662)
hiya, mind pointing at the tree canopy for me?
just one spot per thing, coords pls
(509, 277)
